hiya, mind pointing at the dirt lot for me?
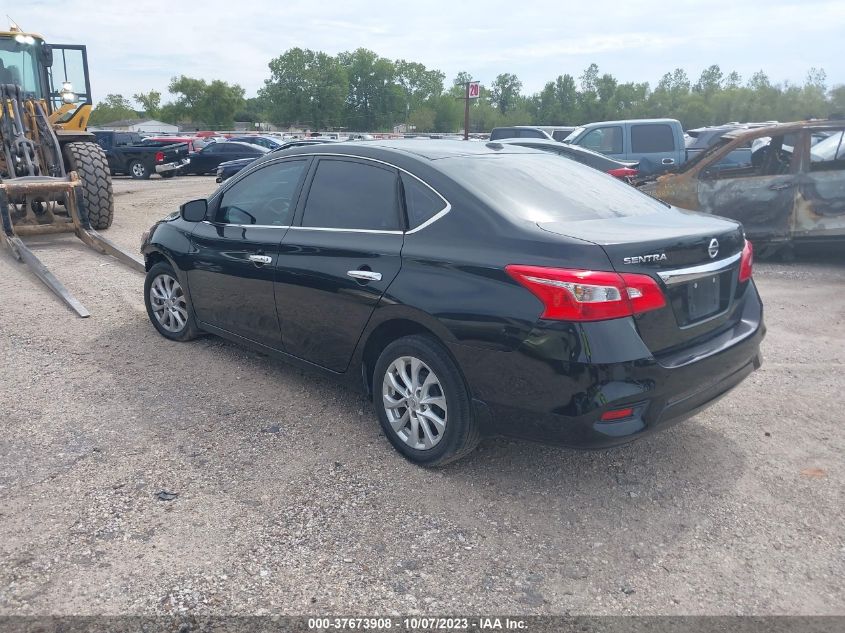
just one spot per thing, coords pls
(290, 501)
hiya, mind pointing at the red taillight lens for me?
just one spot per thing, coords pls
(617, 414)
(623, 172)
(588, 295)
(159, 157)
(746, 263)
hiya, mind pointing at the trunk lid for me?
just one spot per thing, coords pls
(693, 257)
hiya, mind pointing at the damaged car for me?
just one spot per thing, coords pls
(790, 191)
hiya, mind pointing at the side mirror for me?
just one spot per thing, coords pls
(47, 55)
(194, 211)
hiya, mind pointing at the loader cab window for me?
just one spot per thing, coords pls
(19, 65)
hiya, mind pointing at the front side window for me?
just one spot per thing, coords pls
(352, 195)
(649, 138)
(607, 140)
(265, 197)
(421, 202)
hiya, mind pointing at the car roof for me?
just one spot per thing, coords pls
(783, 128)
(622, 121)
(240, 143)
(417, 148)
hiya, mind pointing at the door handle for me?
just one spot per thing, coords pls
(780, 187)
(260, 259)
(668, 161)
(364, 275)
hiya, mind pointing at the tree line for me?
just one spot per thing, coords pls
(360, 90)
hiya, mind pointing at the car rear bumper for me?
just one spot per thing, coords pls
(547, 392)
(168, 167)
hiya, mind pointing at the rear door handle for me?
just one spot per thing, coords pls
(364, 275)
(260, 259)
(780, 187)
(668, 161)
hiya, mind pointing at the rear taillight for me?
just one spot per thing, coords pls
(159, 157)
(623, 172)
(746, 263)
(588, 295)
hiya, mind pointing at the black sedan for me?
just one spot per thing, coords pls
(626, 171)
(231, 167)
(206, 160)
(469, 288)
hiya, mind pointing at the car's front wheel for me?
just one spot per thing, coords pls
(423, 403)
(167, 304)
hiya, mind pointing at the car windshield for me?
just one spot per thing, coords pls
(19, 65)
(831, 148)
(573, 135)
(541, 188)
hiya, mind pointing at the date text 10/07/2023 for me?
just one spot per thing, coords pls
(417, 623)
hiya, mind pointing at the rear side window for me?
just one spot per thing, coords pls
(647, 138)
(531, 134)
(265, 197)
(503, 132)
(559, 135)
(352, 195)
(607, 140)
(421, 202)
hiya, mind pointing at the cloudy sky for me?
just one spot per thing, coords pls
(138, 46)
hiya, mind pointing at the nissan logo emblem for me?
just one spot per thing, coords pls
(713, 249)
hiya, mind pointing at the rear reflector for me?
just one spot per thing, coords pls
(617, 414)
(746, 262)
(588, 295)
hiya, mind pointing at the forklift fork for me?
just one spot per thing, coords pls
(50, 187)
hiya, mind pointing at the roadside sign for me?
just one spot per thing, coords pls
(474, 90)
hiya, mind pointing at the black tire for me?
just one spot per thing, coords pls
(89, 161)
(462, 432)
(189, 330)
(168, 174)
(138, 170)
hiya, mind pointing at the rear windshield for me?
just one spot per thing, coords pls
(545, 187)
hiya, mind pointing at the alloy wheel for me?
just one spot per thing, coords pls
(168, 302)
(414, 402)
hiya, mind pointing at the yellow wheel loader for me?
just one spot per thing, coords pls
(54, 177)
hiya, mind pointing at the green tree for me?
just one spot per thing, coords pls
(213, 104)
(151, 102)
(305, 87)
(374, 100)
(505, 92)
(114, 107)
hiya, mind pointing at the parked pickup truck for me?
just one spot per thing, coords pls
(128, 155)
(656, 144)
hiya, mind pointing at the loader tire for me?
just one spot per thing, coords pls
(89, 161)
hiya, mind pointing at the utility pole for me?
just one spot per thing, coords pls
(472, 91)
(466, 113)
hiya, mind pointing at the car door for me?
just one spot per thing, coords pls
(338, 259)
(105, 141)
(235, 251)
(654, 144)
(822, 187)
(202, 160)
(607, 139)
(761, 196)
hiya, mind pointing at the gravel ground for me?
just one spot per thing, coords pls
(286, 498)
